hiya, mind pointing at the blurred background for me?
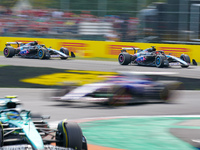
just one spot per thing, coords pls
(155, 21)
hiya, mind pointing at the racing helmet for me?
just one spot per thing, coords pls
(35, 43)
(13, 115)
(153, 48)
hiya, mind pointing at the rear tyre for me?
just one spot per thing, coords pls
(43, 54)
(159, 61)
(121, 96)
(185, 58)
(9, 51)
(124, 58)
(69, 135)
(164, 95)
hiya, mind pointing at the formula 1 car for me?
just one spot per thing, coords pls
(20, 129)
(34, 50)
(123, 89)
(151, 57)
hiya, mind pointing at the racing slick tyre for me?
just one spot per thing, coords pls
(185, 58)
(1, 135)
(63, 58)
(124, 58)
(121, 96)
(43, 53)
(9, 51)
(69, 135)
(159, 61)
(165, 94)
(64, 50)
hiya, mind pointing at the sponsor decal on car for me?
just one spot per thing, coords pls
(174, 64)
(55, 56)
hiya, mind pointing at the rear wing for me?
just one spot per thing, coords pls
(130, 48)
(13, 43)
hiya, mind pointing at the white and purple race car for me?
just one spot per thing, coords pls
(151, 57)
(35, 50)
(125, 88)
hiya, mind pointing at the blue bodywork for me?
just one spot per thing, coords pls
(22, 121)
(151, 57)
(31, 50)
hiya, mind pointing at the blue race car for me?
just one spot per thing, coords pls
(19, 129)
(34, 50)
(125, 88)
(151, 57)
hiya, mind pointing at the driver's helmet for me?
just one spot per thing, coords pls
(35, 43)
(153, 49)
(13, 115)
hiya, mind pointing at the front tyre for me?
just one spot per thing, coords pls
(159, 61)
(1, 135)
(64, 50)
(9, 51)
(63, 58)
(185, 58)
(124, 58)
(69, 135)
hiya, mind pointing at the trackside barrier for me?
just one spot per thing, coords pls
(106, 49)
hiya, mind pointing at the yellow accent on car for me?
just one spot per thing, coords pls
(63, 125)
(14, 96)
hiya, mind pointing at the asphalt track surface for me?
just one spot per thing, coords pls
(74, 64)
(183, 102)
(37, 100)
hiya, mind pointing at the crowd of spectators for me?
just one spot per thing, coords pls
(52, 23)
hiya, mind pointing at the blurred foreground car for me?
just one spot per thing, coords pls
(34, 50)
(19, 129)
(126, 88)
(151, 57)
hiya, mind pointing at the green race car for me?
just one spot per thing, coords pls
(19, 129)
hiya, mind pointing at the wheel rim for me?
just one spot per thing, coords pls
(40, 54)
(121, 58)
(158, 60)
(6, 51)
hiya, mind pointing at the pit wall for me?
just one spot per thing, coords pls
(106, 49)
